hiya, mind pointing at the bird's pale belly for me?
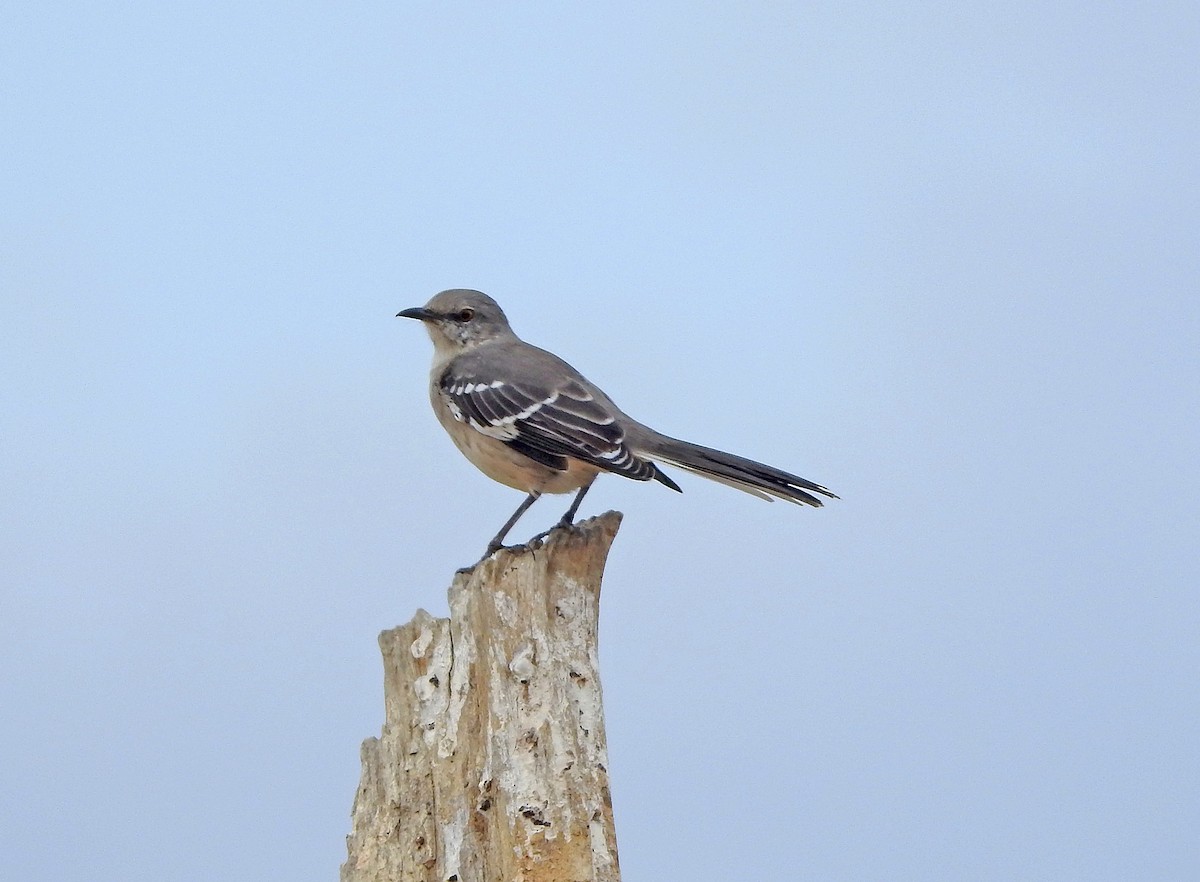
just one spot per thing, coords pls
(503, 464)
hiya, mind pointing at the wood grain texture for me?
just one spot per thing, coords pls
(492, 764)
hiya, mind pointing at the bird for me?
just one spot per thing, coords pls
(529, 420)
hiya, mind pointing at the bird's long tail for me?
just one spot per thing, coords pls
(743, 474)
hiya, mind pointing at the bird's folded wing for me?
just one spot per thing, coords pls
(545, 422)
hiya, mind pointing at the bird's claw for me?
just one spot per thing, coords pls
(565, 522)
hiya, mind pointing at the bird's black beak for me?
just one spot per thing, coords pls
(417, 312)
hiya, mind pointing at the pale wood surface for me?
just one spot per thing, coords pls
(492, 763)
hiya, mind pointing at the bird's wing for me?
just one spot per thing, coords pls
(546, 421)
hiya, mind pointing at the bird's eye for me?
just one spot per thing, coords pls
(465, 314)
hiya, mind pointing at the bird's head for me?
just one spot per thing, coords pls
(460, 319)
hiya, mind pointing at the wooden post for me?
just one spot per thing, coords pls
(492, 765)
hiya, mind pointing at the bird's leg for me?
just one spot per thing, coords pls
(497, 543)
(567, 519)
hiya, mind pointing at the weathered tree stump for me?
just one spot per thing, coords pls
(492, 765)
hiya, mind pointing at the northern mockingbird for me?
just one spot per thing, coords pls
(529, 420)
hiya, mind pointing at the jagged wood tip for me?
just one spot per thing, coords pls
(601, 528)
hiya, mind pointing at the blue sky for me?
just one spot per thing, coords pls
(942, 259)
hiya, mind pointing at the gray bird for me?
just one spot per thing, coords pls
(529, 420)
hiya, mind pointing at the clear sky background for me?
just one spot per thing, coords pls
(943, 258)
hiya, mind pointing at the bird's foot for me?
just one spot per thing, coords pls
(495, 545)
(564, 522)
(540, 536)
(492, 548)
